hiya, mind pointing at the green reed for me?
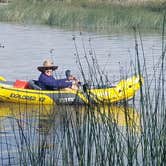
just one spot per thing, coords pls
(108, 144)
(67, 135)
(100, 16)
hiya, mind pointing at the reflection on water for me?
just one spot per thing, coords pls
(120, 115)
(36, 134)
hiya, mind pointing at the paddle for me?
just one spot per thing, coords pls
(2, 78)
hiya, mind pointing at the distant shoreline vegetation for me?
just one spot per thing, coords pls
(95, 15)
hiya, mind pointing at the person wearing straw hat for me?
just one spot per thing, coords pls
(47, 82)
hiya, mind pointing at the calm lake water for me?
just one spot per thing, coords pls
(25, 48)
(25, 129)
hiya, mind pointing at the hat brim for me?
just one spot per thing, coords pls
(42, 68)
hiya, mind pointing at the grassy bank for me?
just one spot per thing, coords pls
(84, 14)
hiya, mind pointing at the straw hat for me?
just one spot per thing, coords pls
(47, 64)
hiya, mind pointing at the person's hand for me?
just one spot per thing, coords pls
(71, 78)
(76, 81)
(74, 85)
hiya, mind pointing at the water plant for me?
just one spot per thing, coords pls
(89, 15)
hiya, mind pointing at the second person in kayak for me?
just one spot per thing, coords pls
(47, 82)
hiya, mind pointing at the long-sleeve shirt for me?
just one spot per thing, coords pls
(50, 83)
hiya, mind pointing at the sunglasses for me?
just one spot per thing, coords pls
(48, 71)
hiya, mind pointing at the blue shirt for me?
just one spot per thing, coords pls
(50, 83)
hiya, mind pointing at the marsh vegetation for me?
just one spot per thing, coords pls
(86, 14)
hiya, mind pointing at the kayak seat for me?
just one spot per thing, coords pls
(33, 84)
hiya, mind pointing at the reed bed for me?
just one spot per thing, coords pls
(77, 135)
(89, 15)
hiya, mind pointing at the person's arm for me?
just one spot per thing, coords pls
(53, 83)
(63, 83)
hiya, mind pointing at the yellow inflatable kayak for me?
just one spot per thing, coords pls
(124, 90)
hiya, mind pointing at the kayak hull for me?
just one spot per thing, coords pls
(124, 90)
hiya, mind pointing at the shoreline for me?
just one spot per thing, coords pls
(98, 17)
